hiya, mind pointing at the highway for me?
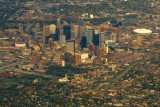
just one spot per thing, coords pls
(118, 77)
(9, 65)
(2, 69)
(28, 27)
(114, 80)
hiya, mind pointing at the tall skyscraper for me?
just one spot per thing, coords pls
(89, 36)
(67, 31)
(50, 42)
(96, 37)
(77, 59)
(105, 48)
(46, 32)
(76, 31)
(52, 29)
(62, 40)
(81, 30)
(84, 42)
(100, 55)
(72, 35)
(61, 32)
(57, 35)
(101, 40)
(58, 23)
(70, 46)
(50, 16)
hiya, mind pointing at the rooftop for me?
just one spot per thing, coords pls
(142, 31)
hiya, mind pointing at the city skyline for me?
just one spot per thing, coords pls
(80, 53)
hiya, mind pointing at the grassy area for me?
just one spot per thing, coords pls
(61, 71)
(26, 77)
(10, 84)
(97, 21)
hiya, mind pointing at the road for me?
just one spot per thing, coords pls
(118, 77)
(9, 65)
(27, 72)
(114, 80)
(28, 27)
(110, 4)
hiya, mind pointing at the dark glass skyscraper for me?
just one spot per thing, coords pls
(96, 39)
(84, 42)
(56, 37)
(67, 31)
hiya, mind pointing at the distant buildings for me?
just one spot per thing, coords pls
(70, 46)
(46, 32)
(58, 23)
(67, 31)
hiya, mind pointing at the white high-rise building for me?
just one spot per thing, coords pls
(52, 29)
